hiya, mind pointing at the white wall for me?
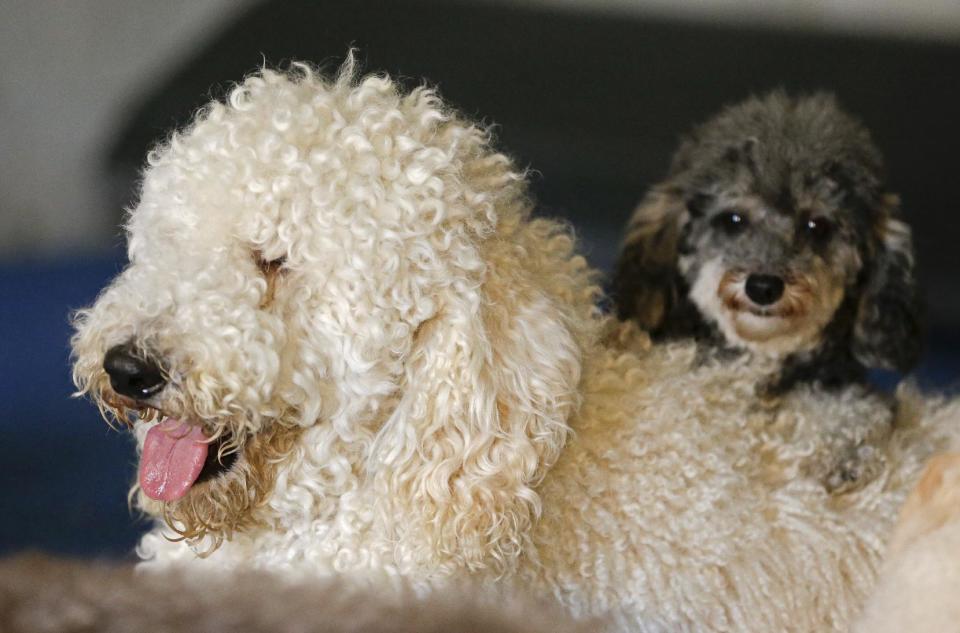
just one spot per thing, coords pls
(917, 19)
(67, 68)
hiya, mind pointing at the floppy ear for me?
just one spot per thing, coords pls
(645, 284)
(489, 386)
(887, 332)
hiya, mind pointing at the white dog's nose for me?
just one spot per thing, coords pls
(131, 374)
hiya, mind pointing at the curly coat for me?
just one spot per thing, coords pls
(344, 286)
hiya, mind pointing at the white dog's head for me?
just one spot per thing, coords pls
(339, 253)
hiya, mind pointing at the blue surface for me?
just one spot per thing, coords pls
(65, 474)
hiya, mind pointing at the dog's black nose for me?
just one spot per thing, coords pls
(764, 289)
(131, 375)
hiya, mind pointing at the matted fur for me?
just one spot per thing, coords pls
(464, 409)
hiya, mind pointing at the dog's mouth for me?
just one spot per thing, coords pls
(769, 313)
(780, 311)
(178, 455)
(763, 324)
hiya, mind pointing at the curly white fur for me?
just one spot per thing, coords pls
(437, 359)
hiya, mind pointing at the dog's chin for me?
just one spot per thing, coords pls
(766, 331)
(205, 480)
(758, 326)
(217, 489)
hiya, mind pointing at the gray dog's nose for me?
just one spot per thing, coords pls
(131, 375)
(764, 289)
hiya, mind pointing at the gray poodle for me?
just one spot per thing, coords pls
(774, 234)
(774, 239)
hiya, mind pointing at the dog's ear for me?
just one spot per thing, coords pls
(490, 384)
(887, 332)
(645, 283)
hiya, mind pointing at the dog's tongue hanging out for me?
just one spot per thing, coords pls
(172, 458)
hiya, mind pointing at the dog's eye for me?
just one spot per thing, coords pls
(731, 222)
(820, 229)
(269, 266)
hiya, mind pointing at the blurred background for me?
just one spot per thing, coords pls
(592, 94)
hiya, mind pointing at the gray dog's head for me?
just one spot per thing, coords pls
(774, 233)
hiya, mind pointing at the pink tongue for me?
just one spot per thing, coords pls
(172, 458)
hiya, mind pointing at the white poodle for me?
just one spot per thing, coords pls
(350, 348)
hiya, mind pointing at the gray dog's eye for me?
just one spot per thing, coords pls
(819, 229)
(730, 222)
